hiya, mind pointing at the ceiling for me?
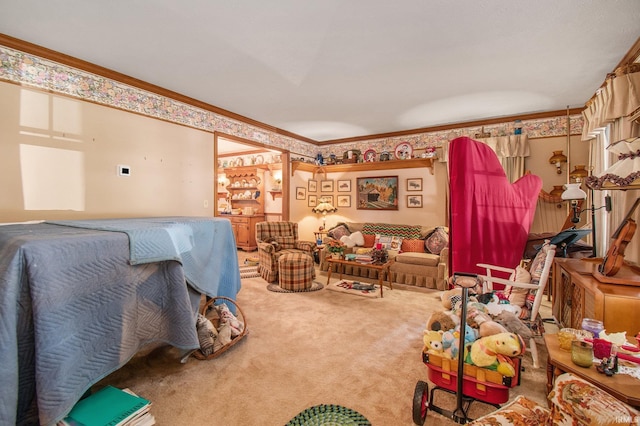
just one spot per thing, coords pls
(332, 69)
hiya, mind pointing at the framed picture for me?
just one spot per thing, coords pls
(326, 185)
(313, 185)
(312, 201)
(344, 201)
(414, 184)
(414, 201)
(344, 185)
(301, 193)
(377, 193)
(327, 198)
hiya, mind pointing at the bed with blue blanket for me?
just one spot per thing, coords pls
(78, 299)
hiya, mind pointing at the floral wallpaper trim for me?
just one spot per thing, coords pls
(31, 70)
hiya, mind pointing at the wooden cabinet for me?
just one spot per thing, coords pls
(577, 294)
(245, 192)
(244, 230)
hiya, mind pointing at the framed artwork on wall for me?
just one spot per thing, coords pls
(301, 193)
(414, 184)
(326, 185)
(377, 193)
(327, 198)
(344, 201)
(313, 185)
(312, 201)
(344, 185)
(414, 201)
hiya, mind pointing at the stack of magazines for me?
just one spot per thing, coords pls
(110, 406)
(364, 258)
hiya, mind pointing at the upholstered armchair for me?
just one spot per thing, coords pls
(275, 239)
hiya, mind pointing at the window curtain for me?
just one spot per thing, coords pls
(609, 112)
(511, 151)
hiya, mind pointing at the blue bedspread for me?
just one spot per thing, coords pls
(199, 244)
(76, 303)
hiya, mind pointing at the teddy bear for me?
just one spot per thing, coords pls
(483, 322)
(495, 352)
(453, 296)
(442, 321)
(451, 340)
(432, 342)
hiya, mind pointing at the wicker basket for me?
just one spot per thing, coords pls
(216, 322)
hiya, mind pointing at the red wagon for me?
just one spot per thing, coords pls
(467, 382)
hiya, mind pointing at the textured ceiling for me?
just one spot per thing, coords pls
(335, 69)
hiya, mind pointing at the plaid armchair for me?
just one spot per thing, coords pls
(275, 239)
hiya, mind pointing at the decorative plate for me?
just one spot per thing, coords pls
(403, 151)
(259, 159)
(370, 155)
(239, 162)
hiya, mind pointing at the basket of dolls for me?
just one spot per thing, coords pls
(221, 324)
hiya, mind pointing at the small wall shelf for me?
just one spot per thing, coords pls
(355, 167)
(275, 194)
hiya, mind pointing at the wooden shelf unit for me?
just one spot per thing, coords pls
(374, 165)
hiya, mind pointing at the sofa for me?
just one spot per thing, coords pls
(420, 252)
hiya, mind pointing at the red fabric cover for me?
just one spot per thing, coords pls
(490, 217)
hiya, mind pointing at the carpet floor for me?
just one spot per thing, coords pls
(303, 350)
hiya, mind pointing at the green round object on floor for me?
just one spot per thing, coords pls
(329, 415)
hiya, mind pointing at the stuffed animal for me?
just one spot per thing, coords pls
(495, 306)
(453, 296)
(451, 340)
(495, 352)
(483, 322)
(513, 324)
(432, 342)
(442, 321)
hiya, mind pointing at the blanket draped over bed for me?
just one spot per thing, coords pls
(79, 299)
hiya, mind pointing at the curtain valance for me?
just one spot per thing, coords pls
(619, 97)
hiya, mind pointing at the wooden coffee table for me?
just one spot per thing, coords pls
(382, 268)
(622, 386)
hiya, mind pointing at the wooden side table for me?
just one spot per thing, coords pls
(622, 386)
(382, 268)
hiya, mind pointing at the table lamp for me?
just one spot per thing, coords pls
(324, 207)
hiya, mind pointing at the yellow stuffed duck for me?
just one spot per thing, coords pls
(495, 352)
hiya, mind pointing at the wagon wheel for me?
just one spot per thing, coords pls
(420, 402)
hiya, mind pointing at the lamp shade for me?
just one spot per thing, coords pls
(573, 192)
(624, 173)
(324, 208)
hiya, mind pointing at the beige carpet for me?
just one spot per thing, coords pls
(302, 350)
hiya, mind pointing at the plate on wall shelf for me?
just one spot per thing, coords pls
(370, 155)
(403, 151)
(253, 182)
(239, 162)
(259, 159)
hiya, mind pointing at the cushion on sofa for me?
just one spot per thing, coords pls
(338, 232)
(369, 240)
(438, 240)
(426, 259)
(413, 245)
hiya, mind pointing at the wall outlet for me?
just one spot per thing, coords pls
(205, 203)
(124, 170)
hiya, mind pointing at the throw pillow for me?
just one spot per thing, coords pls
(347, 241)
(286, 242)
(437, 241)
(517, 296)
(369, 240)
(358, 238)
(396, 243)
(338, 232)
(414, 245)
(384, 240)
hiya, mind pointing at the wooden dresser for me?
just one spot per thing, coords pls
(577, 294)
